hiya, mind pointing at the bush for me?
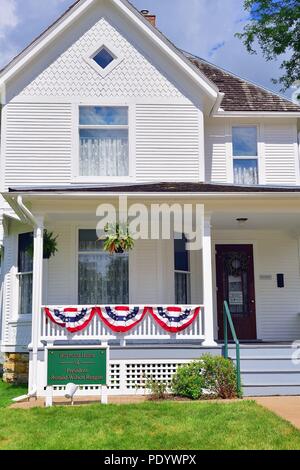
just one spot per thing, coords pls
(219, 376)
(211, 375)
(188, 381)
(157, 389)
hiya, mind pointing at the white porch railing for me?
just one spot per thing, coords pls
(148, 329)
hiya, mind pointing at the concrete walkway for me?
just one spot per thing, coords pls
(287, 408)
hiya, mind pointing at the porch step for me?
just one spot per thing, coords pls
(268, 370)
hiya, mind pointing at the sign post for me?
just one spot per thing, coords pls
(82, 366)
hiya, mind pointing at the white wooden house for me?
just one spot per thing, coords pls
(101, 105)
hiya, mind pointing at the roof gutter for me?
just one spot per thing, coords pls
(162, 195)
(16, 203)
(217, 105)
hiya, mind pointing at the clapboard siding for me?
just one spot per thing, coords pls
(167, 142)
(280, 154)
(215, 153)
(38, 144)
(277, 310)
(7, 286)
(277, 144)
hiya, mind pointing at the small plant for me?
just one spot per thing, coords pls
(211, 376)
(117, 239)
(188, 381)
(219, 376)
(157, 389)
(49, 247)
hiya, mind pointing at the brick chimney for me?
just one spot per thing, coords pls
(151, 18)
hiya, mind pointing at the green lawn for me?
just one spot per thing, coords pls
(7, 392)
(147, 426)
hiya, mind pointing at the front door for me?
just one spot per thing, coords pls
(235, 283)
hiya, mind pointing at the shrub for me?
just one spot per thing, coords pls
(157, 389)
(188, 381)
(219, 376)
(211, 375)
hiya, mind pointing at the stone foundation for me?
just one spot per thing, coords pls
(15, 368)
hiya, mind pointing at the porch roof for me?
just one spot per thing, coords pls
(159, 187)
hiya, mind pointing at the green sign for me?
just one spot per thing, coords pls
(79, 366)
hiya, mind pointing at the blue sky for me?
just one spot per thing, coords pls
(203, 27)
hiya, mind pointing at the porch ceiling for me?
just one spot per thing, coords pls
(256, 221)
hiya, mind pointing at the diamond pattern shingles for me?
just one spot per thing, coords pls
(71, 75)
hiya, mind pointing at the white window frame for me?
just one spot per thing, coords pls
(257, 157)
(78, 252)
(116, 53)
(188, 276)
(76, 178)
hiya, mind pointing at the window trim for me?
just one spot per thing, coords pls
(76, 178)
(248, 157)
(116, 53)
(88, 226)
(188, 275)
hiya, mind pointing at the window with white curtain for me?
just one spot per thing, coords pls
(103, 136)
(245, 155)
(103, 279)
(182, 272)
(25, 273)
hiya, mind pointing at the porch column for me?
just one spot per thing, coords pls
(37, 288)
(208, 283)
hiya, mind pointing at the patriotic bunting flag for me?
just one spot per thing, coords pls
(122, 319)
(72, 319)
(175, 319)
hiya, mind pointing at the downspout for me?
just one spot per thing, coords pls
(27, 217)
(217, 104)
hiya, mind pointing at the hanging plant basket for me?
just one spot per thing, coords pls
(117, 239)
(49, 247)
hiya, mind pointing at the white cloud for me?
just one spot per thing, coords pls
(8, 17)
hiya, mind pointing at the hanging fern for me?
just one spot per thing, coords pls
(49, 246)
(117, 239)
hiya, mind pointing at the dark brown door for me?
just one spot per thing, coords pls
(235, 283)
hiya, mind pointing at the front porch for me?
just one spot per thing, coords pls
(151, 279)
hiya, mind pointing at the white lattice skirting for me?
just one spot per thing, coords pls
(129, 377)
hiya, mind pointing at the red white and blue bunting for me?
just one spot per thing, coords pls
(72, 319)
(122, 319)
(175, 319)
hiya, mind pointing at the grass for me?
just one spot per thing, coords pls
(146, 426)
(8, 392)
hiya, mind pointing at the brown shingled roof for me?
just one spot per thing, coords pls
(241, 95)
(161, 187)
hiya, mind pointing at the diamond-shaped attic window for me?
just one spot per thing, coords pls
(103, 58)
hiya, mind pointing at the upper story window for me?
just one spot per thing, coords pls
(103, 58)
(245, 155)
(104, 149)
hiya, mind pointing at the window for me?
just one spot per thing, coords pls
(103, 58)
(182, 272)
(103, 134)
(25, 273)
(103, 279)
(245, 155)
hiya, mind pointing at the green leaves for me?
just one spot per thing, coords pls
(50, 245)
(118, 239)
(275, 25)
